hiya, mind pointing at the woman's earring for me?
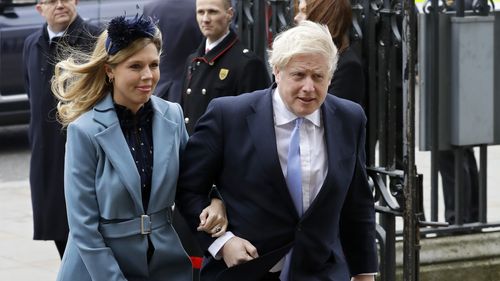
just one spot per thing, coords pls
(111, 80)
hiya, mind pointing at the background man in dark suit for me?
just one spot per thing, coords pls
(221, 66)
(181, 36)
(63, 28)
(289, 162)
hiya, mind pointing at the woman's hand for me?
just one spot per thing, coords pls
(213, 219)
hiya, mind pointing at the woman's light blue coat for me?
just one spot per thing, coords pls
(102, 184)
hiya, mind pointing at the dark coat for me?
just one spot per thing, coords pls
(181, 36)
(348, 80)
(234, 146)
(229, 69)
(47, 139)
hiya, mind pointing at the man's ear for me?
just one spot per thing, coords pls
(276, 73)
(230, 13)
(38, 8)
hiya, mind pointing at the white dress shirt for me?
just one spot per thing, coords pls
(53, 34)
(313, 157)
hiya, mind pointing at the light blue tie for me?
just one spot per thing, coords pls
(294, 183)
(293, 169)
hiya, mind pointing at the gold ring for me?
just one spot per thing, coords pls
(218, 229)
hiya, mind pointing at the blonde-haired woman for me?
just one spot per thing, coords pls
(122, 161)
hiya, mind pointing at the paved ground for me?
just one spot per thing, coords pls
(22, 259)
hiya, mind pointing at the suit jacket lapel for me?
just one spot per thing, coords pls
(164, 132)
(261, 127)
(333, 137)
(115, 147)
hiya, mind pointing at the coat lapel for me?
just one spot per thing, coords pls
(333, 135)
(261, 127)
(164, 131)
(115, 147)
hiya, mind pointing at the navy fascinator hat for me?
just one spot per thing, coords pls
(123, 31)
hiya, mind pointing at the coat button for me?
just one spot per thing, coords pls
(203, 91)
(198, 63)
(211, 63)
(186, 120)
(188, 91)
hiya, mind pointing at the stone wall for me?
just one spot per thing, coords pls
(473, 257)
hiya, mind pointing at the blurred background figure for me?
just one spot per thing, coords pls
(63, 27)
(181, 37)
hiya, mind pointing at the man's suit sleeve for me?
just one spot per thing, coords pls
(357, 224)
(200, 165)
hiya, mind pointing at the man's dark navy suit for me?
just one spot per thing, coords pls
(234, 146)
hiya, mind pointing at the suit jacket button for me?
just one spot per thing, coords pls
(198, 63)
(186, 120)
(188, 91)
(203, 91)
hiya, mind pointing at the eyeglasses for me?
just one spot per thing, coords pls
(54, 2)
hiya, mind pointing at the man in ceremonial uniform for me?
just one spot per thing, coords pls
(221, 66)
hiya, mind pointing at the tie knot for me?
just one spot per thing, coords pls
(299, 121)
(55, 39)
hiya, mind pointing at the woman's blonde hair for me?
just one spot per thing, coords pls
(80, 81)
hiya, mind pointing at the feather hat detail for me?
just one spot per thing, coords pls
(123, 31)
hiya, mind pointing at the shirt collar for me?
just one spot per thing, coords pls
(284, 116)
(53, 34)
(214, 44)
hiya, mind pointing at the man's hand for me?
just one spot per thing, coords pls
(213, 219)
(237, 251)
(363, 278)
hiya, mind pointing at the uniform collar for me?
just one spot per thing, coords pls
(218, 50)
(214, 44)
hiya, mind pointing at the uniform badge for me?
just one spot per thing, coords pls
(223, 73)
